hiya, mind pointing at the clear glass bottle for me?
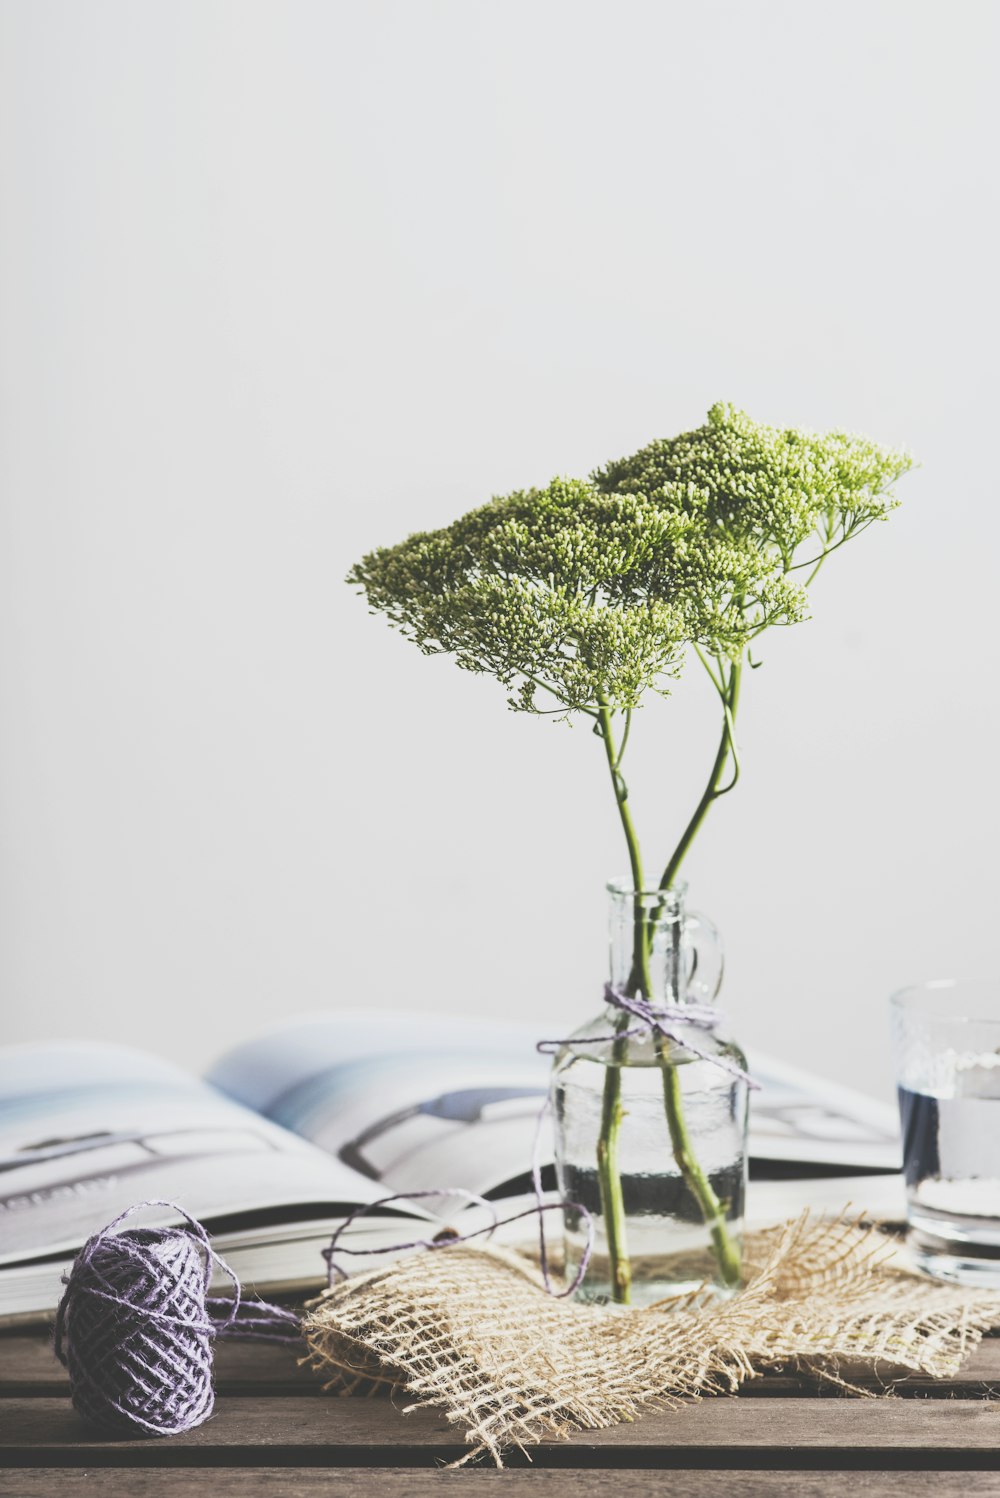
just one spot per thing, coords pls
(650, 1135)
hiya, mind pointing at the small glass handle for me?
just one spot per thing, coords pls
(704, 965)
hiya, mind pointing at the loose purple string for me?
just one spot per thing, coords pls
(448, 1237)
(670, 1020)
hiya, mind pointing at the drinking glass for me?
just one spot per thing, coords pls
(946, 1044)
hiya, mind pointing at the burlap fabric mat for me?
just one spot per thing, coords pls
(473, 1332)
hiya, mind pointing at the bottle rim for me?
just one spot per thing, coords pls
(623, 889)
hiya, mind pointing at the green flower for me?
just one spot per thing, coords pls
(776, 489)
(590, 591)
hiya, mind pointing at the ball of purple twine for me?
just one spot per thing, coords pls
(136, 1323)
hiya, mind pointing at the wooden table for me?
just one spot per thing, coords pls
(275, 1433)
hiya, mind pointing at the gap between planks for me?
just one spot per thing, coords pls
(713, 1433)
(353, 1482)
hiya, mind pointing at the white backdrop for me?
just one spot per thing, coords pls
(283, 281)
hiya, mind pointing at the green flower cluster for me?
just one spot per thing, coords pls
(590, 590)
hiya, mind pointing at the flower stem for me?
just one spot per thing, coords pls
(610, 1180)
(608, 1167)
(726, 1251)
(730, 695)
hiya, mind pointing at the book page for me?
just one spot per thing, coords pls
(416, 1103)
(88, 1130)
(800, 1118)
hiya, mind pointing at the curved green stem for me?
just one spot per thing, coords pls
(815, 563)
(621, 794)
(624, 743)
(727, 745)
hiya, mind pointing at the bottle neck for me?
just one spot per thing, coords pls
(647, 947)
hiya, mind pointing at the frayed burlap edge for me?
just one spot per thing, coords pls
(473, 1332)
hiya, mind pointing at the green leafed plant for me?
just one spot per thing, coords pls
(584, 595)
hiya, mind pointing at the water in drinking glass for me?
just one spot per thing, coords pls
(946, 1038)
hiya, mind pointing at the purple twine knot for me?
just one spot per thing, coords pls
(671, 1020)
(135, 1325)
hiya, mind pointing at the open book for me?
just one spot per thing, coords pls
(289, 1133)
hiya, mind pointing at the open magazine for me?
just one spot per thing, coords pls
(289, 1133)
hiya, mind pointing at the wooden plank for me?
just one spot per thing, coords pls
(280, 1482)
(778, 1433)
(28, 1367)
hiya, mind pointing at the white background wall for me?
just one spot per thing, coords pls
(283, 281)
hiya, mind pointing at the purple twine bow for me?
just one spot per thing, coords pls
(658, 1019)
(447, 1238)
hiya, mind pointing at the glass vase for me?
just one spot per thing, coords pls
(651, 1127)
